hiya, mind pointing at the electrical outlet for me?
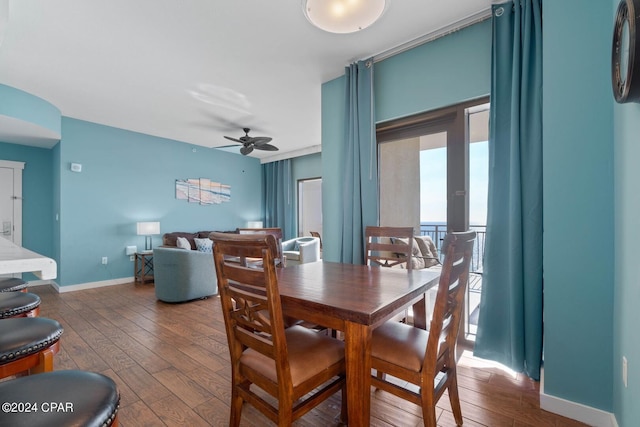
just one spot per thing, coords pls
(132, 258)
(624, 371)
(105, 260)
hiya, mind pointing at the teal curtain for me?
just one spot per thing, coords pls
(510, 322)
(279, 203)
(360, 190)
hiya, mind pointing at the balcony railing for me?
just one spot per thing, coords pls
(437, 232)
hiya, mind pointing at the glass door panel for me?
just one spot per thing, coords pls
(433, 186)
(477, 124)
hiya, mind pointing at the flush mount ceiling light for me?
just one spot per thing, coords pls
(343, 16)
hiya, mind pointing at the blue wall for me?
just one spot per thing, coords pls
(446, 71)
(128, 177)
(578, 202)
(626, 118)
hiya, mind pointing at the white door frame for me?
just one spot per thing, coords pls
(17, 197)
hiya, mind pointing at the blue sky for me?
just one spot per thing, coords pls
(433, 184)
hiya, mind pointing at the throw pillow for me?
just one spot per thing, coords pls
(204, 245)
(183, 243)
(428, 250)
(416, 257)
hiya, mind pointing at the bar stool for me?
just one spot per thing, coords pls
(19, 304)
(28, 344)
(13, 284)
(63, 398)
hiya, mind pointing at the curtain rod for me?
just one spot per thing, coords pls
(441, 32)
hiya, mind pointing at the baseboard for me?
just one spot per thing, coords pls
(31, 283)
(91, 285)
(576, 411)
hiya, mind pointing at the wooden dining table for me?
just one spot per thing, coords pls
(354, 299)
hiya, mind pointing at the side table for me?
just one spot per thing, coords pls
(143, 268)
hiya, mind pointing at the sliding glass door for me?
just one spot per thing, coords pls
(433, 176)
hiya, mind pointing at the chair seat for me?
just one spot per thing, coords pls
(12, 284)
(309, 354)
(16, 303)
(64, 398)
(22, 336)
(401, 344)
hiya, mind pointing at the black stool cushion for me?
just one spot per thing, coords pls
(22, 336)
(14, 303)
(12, 285)
(64, 398)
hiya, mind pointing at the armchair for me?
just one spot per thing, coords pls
(301, 250)
(183, 275)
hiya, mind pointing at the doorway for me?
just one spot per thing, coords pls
(435, 166)
(309, 206)
(11, 201)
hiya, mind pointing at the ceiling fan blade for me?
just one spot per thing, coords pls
(261, 140)
(266, 147)
(246, 150)
(234, 140)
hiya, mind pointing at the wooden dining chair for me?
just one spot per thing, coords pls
(316, 234)
(297, 366)
(389, 246)
(428, 358)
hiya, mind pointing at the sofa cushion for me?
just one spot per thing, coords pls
(183, 243)
(204, 245)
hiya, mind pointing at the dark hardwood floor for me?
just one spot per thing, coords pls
(171, 364)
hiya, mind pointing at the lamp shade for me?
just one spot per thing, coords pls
(343, 16)
(148, 228)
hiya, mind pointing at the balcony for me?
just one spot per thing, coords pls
(437, 232)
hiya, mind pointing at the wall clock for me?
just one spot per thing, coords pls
(625, 72)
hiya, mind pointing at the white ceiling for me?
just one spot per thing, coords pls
(195, 70)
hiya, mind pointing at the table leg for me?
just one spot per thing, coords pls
(135, 269)
(358, 365)
(420, 314)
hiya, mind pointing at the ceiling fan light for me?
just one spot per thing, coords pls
(343, 16)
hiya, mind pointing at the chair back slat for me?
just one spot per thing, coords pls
(388, 246)
(447, 312)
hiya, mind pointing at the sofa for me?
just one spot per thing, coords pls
(301, 250)
(184, 271)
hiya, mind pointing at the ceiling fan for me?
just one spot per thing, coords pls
(251, 142)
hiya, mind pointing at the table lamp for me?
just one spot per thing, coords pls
(148, 229)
